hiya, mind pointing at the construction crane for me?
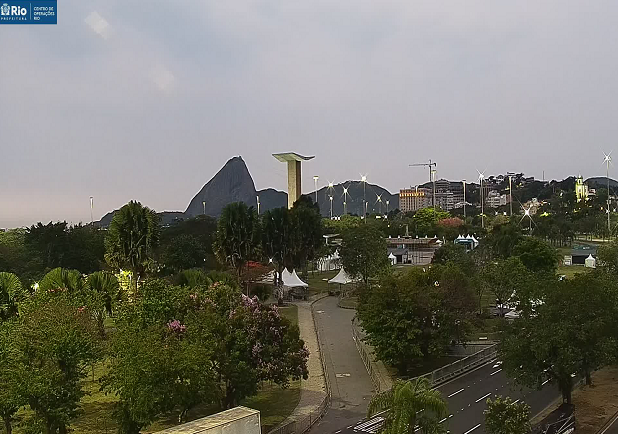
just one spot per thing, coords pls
(432, 172)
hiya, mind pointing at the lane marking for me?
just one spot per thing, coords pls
(545, 382)
(515, 402)
(483, 397)
(455, 393)
(443, 420)
(495, 372)
(337, 432)
(472, 429)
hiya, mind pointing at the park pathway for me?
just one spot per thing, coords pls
(351, 386)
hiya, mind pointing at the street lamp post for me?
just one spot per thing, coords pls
(364, 180)
(481, 176)
(204, 205)
(433, 175)
(91, 207)
(258, 204)
(387, 202)
(331, 206)
(345, 200)
(315, 181)
(511, 194)
(607, 160)
(464, 197)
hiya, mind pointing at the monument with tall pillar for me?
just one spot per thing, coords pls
(294, 174)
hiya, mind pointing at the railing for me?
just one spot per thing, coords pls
(435, 377)
(445, 373)
(303, 424)
(376, 378)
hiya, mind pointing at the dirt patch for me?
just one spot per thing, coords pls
(595, 405)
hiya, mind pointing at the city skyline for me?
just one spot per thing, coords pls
(130, 109)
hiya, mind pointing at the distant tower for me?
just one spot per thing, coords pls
(581, 189)
(294, 174)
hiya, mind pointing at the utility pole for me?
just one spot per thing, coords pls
(464, 199)
(429, 166)
(511, 194)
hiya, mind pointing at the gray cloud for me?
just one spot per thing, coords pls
(152, 108)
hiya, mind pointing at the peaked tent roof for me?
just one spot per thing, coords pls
(342, 278)
(292, 280)
(285, 274)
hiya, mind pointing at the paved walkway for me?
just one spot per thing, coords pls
(351, 387)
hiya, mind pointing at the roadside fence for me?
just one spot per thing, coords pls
(435, 377)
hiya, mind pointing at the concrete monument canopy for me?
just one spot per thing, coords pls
(291, 156)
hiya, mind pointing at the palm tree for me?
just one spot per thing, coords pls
(131, 238)
(11, 293)
(105, 284)
(408, 406)
(61, 279)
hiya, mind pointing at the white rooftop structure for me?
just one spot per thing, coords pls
(292, 280)
(342, 278)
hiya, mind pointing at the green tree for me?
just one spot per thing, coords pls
(11, 294)
(54, 343)
(183, 252)
(503, 239)
(307, 234)
(363, 252)
(536, 255)
(426, 219)
(411, 405)
(61, 280)
(277, 233)
(11, 396)
(414, 316)
(504, 416)
(571, 330)
(237, 237)
(608, 257)
(455, 254)
(101, 292)
(131, 239)
(504, 278)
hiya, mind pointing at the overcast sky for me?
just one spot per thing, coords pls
(128, 99)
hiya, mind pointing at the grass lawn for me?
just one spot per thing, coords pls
(290, 312)
(318, 281)
(571, 270)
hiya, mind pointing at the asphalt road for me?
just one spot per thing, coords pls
(467, 396)
(351, 387)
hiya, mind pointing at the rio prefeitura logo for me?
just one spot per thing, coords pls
(4, 9)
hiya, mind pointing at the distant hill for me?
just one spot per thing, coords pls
(601, 182)
(354, 198)
(233, 183)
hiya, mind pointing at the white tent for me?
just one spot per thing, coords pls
(392, 258)
(330, 262)
(292, 280)
(590, 262)
(285, 274)
(341, 278)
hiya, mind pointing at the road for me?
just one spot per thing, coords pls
(351, 386)
(612, 427)
(467, 395)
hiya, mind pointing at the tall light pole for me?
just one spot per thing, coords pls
(433, 175)
(345, 200)
(463, 181)
(481, 176)
(331, 206)
(364, 180)
(379, 199)
(258, 204)
(91, 210)
(204, 205)
(511, 194)
(607, 160)
(315, 181)
(387, 202)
